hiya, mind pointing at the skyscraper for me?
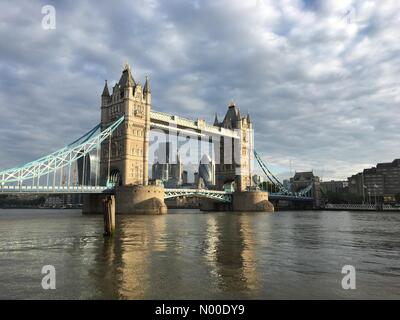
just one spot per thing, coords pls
(184, 177)
(164, 168)
(207, 171)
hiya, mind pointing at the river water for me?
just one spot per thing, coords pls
(188, 254)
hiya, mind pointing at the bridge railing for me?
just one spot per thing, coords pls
(361, 207)
(53, 189)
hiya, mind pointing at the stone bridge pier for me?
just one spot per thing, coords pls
(242, 201)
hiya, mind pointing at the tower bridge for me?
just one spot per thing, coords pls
(121, 144)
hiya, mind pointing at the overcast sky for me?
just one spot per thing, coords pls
(319, 78)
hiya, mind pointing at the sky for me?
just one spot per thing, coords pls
(320, 79)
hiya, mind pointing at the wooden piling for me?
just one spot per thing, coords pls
(109, 216)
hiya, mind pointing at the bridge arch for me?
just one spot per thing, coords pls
(220, 196)
(229, 185)
(116, 177)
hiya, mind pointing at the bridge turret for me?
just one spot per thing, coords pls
(232, 117)
(239, 120)
(106, 93)
(248, 119)
(216, 122)
(138, 92)
(147, 91)
(126, 83)
(115, 91)
(105, 100)
(126, 79)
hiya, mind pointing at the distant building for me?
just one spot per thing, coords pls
(355, 183)
(88, 168)
(286, 184)
(166, 170)
(391, 178)
(159, 171)
(374, 182)
(382, 181)
(160, 168)
(302, 180)
(184, 177)
(176, 171)
(257, 179)
(334, 186)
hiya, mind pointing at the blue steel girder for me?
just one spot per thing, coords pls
(60, 158)
(222, 196)
(279, 196)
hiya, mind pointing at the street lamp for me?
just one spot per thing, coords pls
(375, 186)
(362, 183)
(364, 187)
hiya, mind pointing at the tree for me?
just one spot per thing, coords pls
(342, 198)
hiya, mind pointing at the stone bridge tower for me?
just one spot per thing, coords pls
(125, 160)
(235, 155)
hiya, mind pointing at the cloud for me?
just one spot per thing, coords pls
(319, 78)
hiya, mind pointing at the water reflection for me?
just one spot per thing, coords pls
(106, 270)
(229, 250)
(139, 261)
(135, 240)
(193, 255)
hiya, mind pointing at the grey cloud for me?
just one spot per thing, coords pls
(321, 91)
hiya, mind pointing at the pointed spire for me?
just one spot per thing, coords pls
(105, 93)
(115, 87)
(146, 88)
(216, 122)
(248, 118)
(130, 82)
(129, 78)
(126, 79)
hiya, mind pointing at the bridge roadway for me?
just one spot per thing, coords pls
(279, 196)
(54, 189)
(223, 196)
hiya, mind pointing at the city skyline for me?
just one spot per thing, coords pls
(318, 78)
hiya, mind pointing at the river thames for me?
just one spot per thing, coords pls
(188, 254)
